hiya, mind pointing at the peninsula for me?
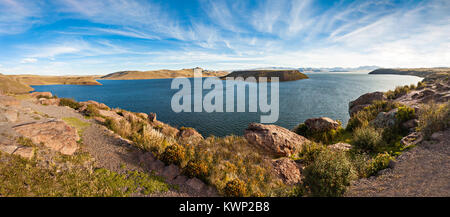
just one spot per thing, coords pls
(283, 75)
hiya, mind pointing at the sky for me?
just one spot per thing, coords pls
(81, 37)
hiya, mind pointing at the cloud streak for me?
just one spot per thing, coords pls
(138, 34)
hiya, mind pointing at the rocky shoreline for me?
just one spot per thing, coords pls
(60, 126)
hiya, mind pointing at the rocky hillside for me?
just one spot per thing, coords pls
(51, 80)
(283, 75)
(10, 85)
(395, 144)
(421, 72)
(158, 74)
(18, 84)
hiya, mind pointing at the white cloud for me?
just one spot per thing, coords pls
(29, 60)
(17, 16)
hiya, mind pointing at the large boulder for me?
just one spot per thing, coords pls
(96, 104)
(340, 146)
(110, 114)
(188, 132)
(411, 139)
(56, 135)
(363, 101)
(321, 124)
(277, 140)
(52, 101)
(287, 170)
(385, 119)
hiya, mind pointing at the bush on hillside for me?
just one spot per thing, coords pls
(405, 113)
(235, 188)
(70, 103)
(174, 154)
(433, 117)
(398, 92)
(379, 162)
(325, 137)
(367, 138)
(309, 152)
(369, 113)
(329, 175)
(197, 169)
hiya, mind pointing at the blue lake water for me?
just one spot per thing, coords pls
(323, 94)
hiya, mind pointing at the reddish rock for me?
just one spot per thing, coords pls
(170, 172)
(110, 114)
(41, 94)
(45, 101)
(143, 115)
(276, 140)
(189, 133)
(179, 180)
(287, 170)
(364, 100)
(96, 104)
(152, 117)
(340, 146)
(25, 152)
(195, 184)
(56, 135)
(321, 124)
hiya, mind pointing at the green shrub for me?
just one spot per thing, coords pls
(325, 137)
(196, 169)
(363, 117)
(173, 154)
(379, 162)
(25, 141)
(398, 92)
(309, 152)
(301, 129)
(92, 111)
(433, 117)
(367, 138)
(235, 188)
(405, 113)
(69, 102)
(329, 174)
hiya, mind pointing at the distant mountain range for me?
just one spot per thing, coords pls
(158, 74)
(311, 69)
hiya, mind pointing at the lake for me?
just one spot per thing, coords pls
(323, 94)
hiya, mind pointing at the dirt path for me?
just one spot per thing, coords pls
(423, 171)
(116, 154)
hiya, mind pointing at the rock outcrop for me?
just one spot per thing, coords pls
(56, 135)
(287, 170)
(340, 146)
(385, 119)
(276, 140)
(96, 104)
(41, 94)
(52, 101)
(364, 100)
(321, 124)
(187, 132)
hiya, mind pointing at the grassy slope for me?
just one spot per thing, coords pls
(421, 72)
(284, 75)
(9, 85)
(158, 74)
(50, 80)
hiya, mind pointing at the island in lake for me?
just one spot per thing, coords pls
(283, 75)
